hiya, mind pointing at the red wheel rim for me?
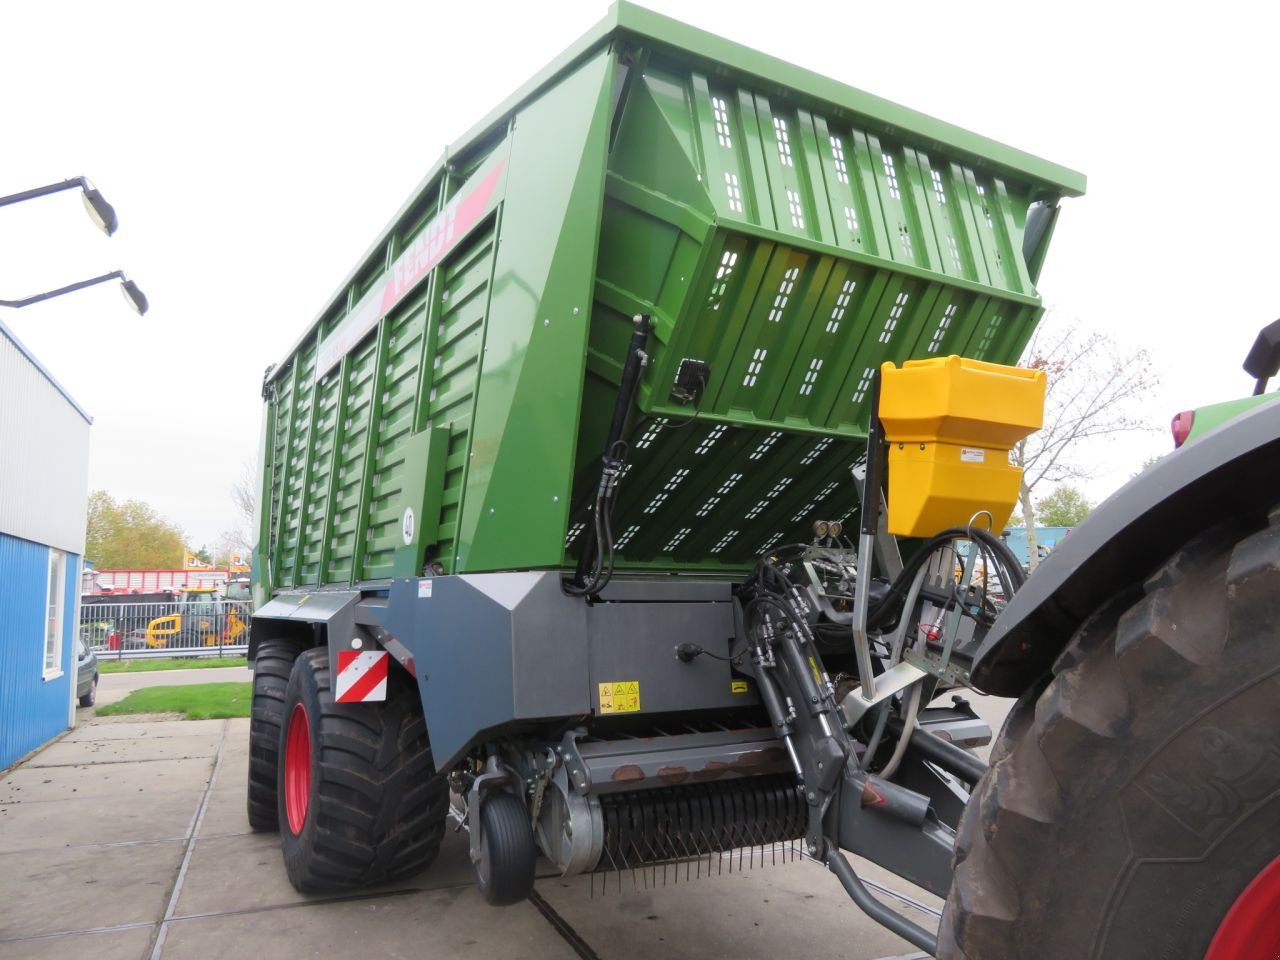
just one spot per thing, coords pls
(297, 769)
(1251, 928)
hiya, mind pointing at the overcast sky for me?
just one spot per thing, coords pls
(253, 151)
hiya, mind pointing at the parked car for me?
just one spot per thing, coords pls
(238, 589)
(86, 674)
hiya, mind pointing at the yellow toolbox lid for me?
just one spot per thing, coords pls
(959, 400)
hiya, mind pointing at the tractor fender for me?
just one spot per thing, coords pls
(1231, 472)
(311, 617)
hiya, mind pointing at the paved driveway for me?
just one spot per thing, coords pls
(129, 840)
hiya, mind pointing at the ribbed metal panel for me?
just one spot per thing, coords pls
(44, 464)
(339, 460)
(32, 709)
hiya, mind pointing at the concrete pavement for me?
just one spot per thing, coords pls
(129, 840)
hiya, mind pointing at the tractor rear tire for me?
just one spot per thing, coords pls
(360, 801)
(1134, 795)
(270, 678)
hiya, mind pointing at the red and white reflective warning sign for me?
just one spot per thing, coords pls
(362, 676)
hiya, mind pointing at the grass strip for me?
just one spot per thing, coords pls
(168, 663)
(198, 701)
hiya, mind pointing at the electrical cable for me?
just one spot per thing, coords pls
(878, 615)
(908, 724)
(897, 589)
(1002, 550)
(697, 409)
(688, 651)
(882, 721)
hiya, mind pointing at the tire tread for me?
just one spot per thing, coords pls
(271, 670)
(381, 807)
(1140, 645)
(509, 839)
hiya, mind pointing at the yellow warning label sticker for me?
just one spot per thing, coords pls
(622, 696)
(738, 686)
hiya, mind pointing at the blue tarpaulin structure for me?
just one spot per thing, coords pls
(1046, 539)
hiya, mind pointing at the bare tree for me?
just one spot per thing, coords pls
(1092, 390)
(244, 496)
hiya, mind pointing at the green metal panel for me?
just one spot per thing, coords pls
(833, 248)
(465, 288)
(449, 407)
(335, 433)
(343, 521)
(516, 502)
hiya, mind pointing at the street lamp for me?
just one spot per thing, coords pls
(100, 212)
(136, 298)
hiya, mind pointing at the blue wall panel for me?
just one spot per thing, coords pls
(32, 710)
(1046, 539)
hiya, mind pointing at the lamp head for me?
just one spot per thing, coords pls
(100, 212)
(137, 299)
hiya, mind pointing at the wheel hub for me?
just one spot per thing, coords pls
(297, 769)
(1251, 928)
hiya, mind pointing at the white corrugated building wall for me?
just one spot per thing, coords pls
(44, 478)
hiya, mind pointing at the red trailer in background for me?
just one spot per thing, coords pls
(133, 582)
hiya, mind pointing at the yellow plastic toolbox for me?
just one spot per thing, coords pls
(950, 423)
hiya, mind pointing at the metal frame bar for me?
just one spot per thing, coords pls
(71, 184)
(378, 383)
(331, 495)
(308, 467)
(869, 525)
(273, 544)
(69, 288)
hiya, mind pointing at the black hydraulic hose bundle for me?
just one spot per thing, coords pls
(774, 602)
(992, 547)
(595, 562)
(770, 582)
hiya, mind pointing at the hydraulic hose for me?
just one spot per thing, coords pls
(1011, 569)
(908, 723)
(1003, 553)
(597, 546)
(877, 734)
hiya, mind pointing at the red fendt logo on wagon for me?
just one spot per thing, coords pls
(362, 676)
(435, 240)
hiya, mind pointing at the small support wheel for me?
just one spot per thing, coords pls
(505, 870)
